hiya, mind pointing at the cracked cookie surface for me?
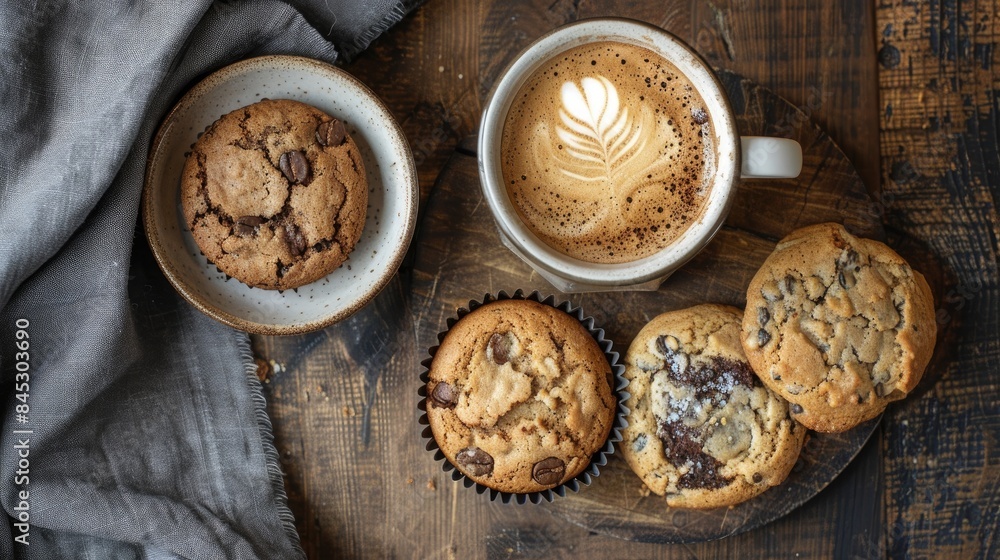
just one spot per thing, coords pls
(838, 325)
(520, 396)
(275, 194)
(702, 430)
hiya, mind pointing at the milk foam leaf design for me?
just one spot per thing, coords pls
(596, 130)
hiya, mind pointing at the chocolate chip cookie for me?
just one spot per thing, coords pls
(702, 430)
(275, 194)
(519, 396)
(838, 325)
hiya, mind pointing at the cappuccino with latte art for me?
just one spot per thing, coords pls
(609, 155)
(607, 152)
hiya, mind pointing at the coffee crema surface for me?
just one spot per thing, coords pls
(607, 152)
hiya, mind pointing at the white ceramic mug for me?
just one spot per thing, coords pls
(746, 157)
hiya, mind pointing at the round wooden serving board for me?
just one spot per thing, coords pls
(458, 257)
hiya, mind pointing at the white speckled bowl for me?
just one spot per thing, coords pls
(392, 196)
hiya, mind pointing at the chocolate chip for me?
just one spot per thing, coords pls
(707, 378)
(847, 267)
(665, 344)
(331, 133)
(443, 395)
(500, 349)
(757, 478)
(661, 346)
(763, 337)
(740, 371)
(682, 446)
(763, 316)
(776, 377)
(797, 409)
(294, 166)
(846, 279)
(880, 389)
(296, 241)
(252, 221)
(247, 225)
(639, 443)
(475, 461)
(548, 472)
(789, 284)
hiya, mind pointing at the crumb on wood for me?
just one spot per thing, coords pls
(431, 485)
(347, 411)
(322, 392)
(409, 480)
(643, 491)
(264, 370)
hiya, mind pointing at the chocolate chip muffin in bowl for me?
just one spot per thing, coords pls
(522, 398)
(275, 194)
(280, 195)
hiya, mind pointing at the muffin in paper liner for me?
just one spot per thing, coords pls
(597, 460)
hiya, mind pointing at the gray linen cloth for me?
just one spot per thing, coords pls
(145, 433)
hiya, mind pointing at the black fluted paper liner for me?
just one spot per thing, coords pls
(597, 460)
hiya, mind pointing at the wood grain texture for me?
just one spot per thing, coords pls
(342, 439)
(343, 403)
(938, 78)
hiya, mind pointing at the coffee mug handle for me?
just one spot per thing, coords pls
(770, 158)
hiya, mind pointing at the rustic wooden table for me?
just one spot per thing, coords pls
(907, 91)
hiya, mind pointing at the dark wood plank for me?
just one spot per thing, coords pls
(818, 55)
(938, 77)
(829, 188)
(342, 440)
